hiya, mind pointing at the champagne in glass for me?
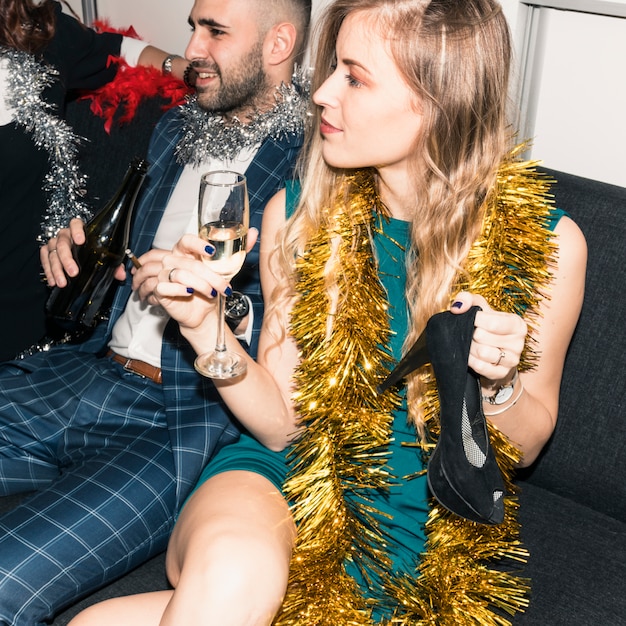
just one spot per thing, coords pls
(223, 219)
(229, 241)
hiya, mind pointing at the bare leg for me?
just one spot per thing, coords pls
(228, 559)
(229, 554)
(141, 609)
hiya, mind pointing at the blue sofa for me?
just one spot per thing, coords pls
(573, 499)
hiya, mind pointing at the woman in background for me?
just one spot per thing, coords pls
(44, 54)
(408, 206)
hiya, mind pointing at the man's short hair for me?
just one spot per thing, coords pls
(298, 12)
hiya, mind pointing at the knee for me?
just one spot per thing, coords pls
(255, 566)
(232, 548)
(248, 570)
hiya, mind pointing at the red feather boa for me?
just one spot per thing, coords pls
(131, 86)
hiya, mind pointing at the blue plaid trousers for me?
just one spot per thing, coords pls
(92, 439)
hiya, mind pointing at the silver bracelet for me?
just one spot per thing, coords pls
(506, 408)
(502, 393)
(166, 66)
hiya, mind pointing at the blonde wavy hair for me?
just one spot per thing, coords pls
(454, 55)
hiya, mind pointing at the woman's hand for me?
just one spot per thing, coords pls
(497, 343)
(187, 286)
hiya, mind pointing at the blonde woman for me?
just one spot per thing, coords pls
(322, 513)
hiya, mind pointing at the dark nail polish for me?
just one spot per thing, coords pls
(228, 291)
(190, 290)
(209, 249)
(213, 293)
(457, 305)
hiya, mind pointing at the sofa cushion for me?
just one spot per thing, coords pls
(577, 564)
(148, 577)
(104, 157)
(586, 458)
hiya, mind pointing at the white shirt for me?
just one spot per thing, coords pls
(138, 333)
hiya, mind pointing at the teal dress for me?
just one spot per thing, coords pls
(405, 506)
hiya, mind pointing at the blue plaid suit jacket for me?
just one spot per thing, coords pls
(198, 421)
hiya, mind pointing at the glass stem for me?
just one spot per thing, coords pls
(220, 345)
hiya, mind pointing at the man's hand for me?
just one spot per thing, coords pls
(57, 259)
(145, 278)
(56, 256)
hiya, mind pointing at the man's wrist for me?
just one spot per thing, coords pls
(178, 67)
(167, 65)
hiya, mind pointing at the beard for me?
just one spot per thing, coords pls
(243, 86)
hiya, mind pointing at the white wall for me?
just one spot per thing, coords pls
(161, 22)
(167, 26)
(574, 99)
(573, 66)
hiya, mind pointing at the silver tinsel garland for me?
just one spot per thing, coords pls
(209, 136)
(64, 184)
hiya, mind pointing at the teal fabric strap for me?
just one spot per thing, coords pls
(554, 217)
(292, 189)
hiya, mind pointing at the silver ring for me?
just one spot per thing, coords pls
(169, 276)
(51, 251)
(502, 355)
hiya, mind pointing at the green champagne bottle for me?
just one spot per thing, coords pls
(106, 240)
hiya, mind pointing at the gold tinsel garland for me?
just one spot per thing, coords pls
(348, 425)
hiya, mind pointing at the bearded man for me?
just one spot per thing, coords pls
(112, 434)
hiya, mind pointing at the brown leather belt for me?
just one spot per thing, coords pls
(141, 368)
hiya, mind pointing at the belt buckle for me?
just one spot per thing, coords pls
(128, 366)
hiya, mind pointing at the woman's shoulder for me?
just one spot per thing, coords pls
(273, 220)
(569, 234)
(571, 250)
(275, 210)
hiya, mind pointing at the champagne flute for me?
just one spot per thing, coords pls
(223, 219)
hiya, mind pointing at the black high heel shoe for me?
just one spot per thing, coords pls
(462, 471)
